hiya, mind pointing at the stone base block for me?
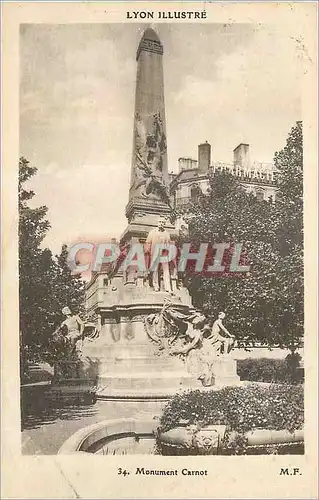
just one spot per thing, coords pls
(225, 371)
(145, 381)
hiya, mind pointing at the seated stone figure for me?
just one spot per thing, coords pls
(73, 326)
(67, 339)
(69, 361)
(223, 344)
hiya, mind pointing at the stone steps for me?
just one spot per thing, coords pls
(138, 395)
(137, 367)
(145, 381)
(139, 361)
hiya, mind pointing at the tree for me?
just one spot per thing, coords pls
(229, 215)
(290, 281)
(70, 288)
(266, 303)
(45, 284)
(35, 268)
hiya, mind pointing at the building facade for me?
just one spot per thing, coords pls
(193, 175)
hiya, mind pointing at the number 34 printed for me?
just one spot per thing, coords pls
(122, 472)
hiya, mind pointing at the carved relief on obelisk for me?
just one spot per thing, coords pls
(149, 176)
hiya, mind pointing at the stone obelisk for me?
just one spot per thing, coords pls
(149, 193)
(131, 353)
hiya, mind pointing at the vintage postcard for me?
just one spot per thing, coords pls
(159, 244)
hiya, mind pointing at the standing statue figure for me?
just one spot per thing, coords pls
(157, 240)
(223, 345)
(201, 359)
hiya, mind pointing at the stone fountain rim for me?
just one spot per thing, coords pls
(255, 437)
(106, 428)
(115, 427)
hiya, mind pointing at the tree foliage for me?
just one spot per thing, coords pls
(266, 303)
(35, 265)
(45, 283)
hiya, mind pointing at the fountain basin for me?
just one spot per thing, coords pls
(209, 440)
(138, 436)
(120, 436)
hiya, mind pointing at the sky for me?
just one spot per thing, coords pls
(224, 83)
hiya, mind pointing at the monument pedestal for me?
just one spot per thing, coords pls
(224, 371)
(129, 364)
(135, 371)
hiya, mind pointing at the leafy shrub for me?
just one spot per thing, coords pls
(271, 370)
(240, 408)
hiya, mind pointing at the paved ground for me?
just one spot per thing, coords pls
(45, 430)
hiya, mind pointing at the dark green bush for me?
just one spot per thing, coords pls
(270, 370)
(242, 408)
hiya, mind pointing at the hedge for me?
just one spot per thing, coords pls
(241, 408)
(271, 370)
